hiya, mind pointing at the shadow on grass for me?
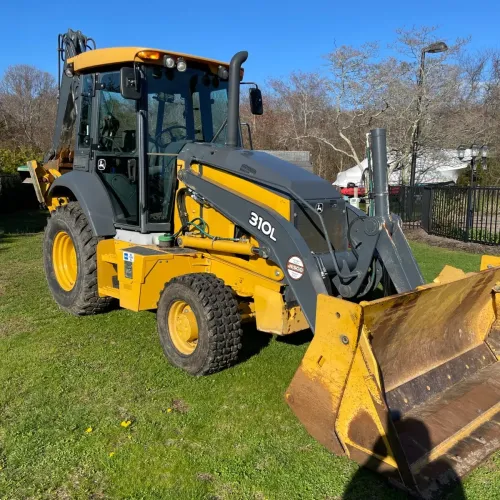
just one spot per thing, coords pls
(435, 480)
(299, 338)
(253, 342)
(4, 241)
(22, 222)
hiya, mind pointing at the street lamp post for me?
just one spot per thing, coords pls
(475, 152)
(433, 48)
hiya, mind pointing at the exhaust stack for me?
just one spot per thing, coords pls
(233, 111)
(380, 183)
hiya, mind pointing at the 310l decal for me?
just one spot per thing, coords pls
(262, 225)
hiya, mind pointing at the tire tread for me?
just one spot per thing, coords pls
(224, 321)
(88, 302)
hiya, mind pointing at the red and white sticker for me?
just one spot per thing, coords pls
(295, 267)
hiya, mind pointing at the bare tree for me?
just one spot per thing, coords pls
(302, 110)
(333, 111)
(28, 102)
(330, 114)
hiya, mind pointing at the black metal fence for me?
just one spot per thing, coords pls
(408, 207)
(467, 214)
(461, 213)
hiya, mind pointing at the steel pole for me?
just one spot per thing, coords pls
(379, 162)
(416, 131)
(470, 208)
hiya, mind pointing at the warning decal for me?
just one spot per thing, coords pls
(295, 267)
(128, 256)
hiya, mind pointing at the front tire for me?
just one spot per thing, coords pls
(70, 261)
(199, 324)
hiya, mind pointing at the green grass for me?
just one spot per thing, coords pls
(229, 435)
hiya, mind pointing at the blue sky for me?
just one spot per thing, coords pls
(280, 36)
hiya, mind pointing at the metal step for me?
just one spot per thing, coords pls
(109, 257)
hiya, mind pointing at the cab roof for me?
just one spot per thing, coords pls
(116, 55)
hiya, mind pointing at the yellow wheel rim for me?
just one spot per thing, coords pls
(64, 261)
(183, 327)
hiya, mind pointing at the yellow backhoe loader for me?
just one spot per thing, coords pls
(155, 205)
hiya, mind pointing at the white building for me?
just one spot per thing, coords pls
(432, 167)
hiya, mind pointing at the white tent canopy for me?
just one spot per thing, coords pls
(432, 166)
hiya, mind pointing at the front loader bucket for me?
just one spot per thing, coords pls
(408, 385)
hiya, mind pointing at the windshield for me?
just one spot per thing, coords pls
(189, 105)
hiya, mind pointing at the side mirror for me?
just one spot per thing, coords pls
(256, 106)
(129, 84)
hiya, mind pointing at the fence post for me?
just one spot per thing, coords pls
(470, 214)
(406, 197)
(431, 208)
(425, 221)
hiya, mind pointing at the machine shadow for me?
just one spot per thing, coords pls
(450, 487)
(253, 341)
(22, 222)
(5, 241)
(299, 338)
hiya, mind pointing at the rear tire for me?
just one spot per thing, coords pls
(70, 261)
(199, 324)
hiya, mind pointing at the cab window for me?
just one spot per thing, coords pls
(117, 117)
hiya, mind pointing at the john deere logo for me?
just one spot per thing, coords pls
(319, 208)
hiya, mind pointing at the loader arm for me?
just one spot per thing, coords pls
(289, 242)
(371, 237)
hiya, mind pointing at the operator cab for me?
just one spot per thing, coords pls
(134, 142)
(134, 110)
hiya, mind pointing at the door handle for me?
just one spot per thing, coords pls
(132, 170)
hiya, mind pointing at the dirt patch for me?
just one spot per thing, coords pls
(421, 236)
(81, 482)
(179, 406)
(226, 491)
(204, 476)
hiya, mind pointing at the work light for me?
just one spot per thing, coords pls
(69, 71)
(223, 73)
(168, 61)
(181, 64)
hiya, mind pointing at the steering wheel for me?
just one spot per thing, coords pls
(109, 144)
(108, 132)
(157, 139)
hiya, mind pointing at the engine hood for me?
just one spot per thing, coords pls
(261, 168)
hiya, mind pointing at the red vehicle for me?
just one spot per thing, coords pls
(349, 191)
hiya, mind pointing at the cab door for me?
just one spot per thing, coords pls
(116, 152)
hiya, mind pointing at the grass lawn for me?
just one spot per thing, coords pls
(68, 383)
